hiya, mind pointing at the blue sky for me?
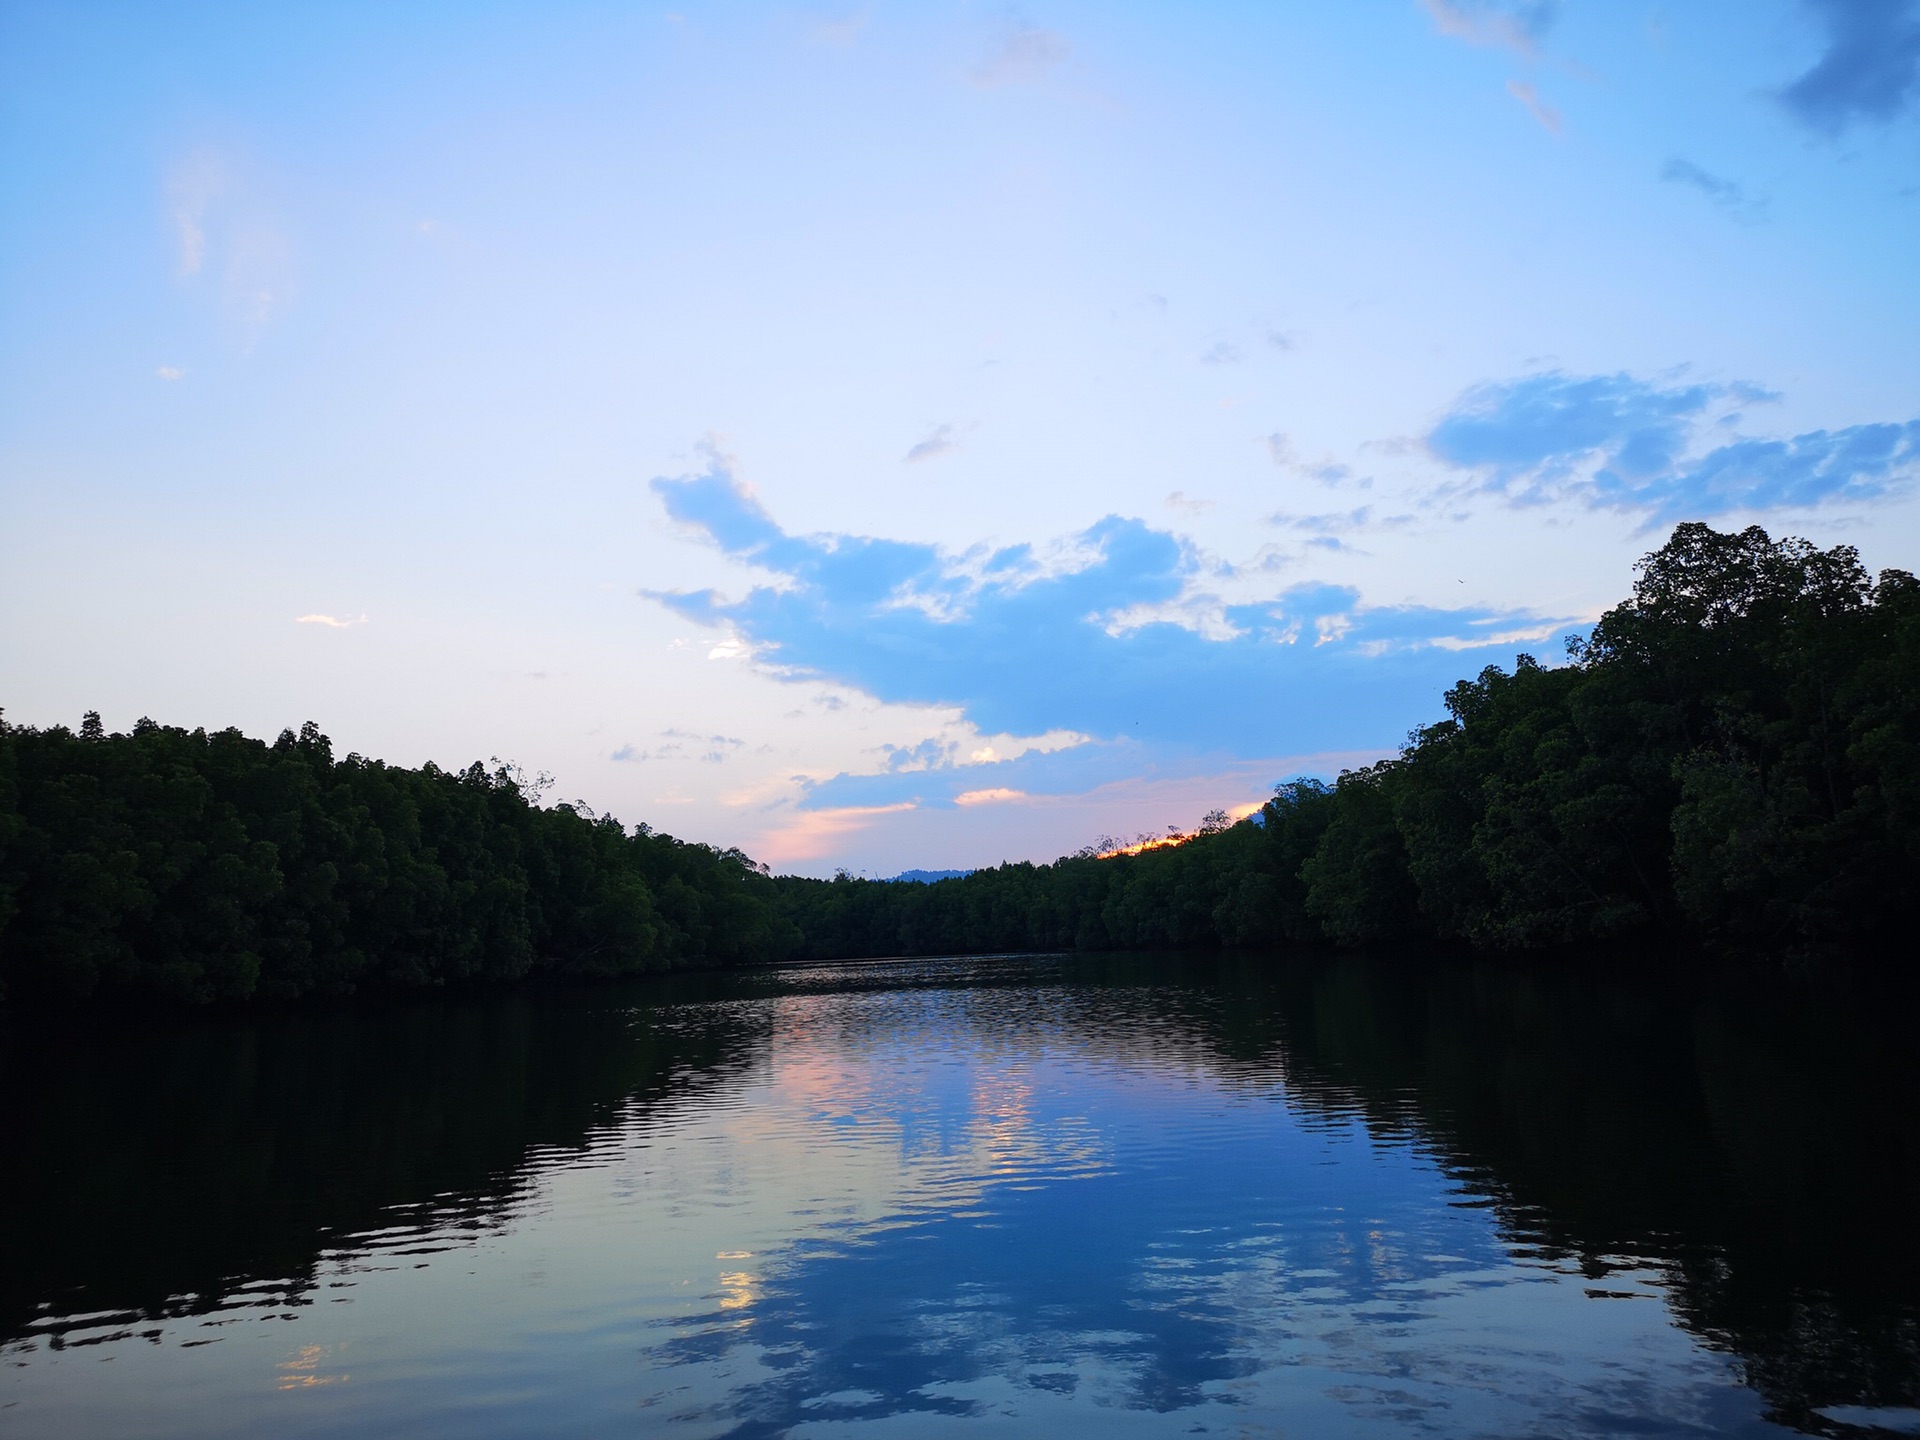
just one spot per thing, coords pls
(895, 436)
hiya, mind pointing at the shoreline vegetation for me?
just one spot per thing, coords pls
(1729, 763)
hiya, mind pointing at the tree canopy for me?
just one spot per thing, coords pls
(203, 867)
(1731, 759)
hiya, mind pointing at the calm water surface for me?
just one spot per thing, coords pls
(1049, 1197)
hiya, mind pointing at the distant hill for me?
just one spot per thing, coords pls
(927, 877)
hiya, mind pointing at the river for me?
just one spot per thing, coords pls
(1045, 1196)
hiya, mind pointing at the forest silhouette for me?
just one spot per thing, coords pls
(1729, 763)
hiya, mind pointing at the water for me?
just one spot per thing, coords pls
(1047, 1197)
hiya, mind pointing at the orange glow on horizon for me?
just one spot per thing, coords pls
(1160, 842)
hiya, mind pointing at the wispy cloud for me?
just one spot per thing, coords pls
(1324, 523)
(1021, 54)
(1222, 352)
(217, 231)
(1517, 24)
(941, 442)
(932, 753)
(1870, 69)
(191, 190)
(1040, 781)
(811, 834)
(841, 30)
(331, 622)
(258, 276)
(1536, 107)
(1617, 442)
(170, 372)
(682, 745)
(943, 753)
(1730, 198)
(1326, 470)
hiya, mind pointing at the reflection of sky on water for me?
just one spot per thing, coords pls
(1105, 1242)
(918, 1212)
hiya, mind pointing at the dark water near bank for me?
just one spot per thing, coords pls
(1121, 1196)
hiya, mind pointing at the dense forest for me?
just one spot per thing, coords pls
(1731, 760)
(214, 867)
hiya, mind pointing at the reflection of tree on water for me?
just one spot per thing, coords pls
(1762, 1150)
(207, 1166)
(1761, 1153)
(1757, 1150)
(1011, 1247)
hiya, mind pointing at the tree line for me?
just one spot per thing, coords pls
(1731, 759)
(210, 867)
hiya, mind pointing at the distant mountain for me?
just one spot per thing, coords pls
(927, 877)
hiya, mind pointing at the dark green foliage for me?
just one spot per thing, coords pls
(1358, 885)
(1733, 758)
(199, 867)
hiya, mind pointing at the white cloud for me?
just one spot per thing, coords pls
(170, 372)
(332, 622)
(1527, 634)
(1329, 628)
(999, 795)
(1127, 641)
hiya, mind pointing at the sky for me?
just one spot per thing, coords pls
(916, 436)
